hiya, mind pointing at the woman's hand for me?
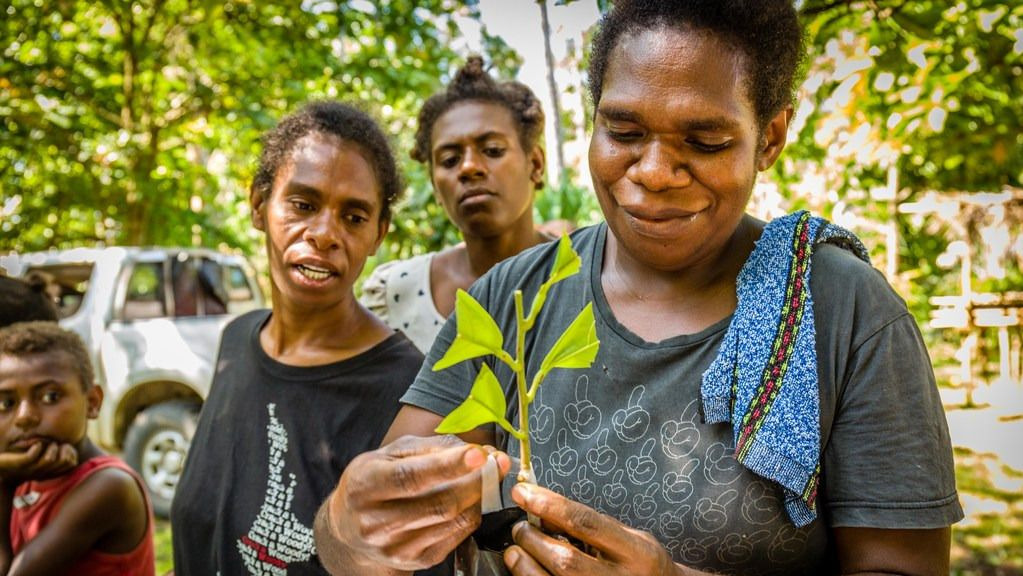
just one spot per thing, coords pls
(42, 460)
(614, 549)
(407, 505)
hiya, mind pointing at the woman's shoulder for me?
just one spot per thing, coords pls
(247, 321)
(840, 269)
(845, 287)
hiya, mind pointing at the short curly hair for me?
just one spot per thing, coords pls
(766, 32)
(472, 82)
(347, 123)
(25, 301)
(30, 338)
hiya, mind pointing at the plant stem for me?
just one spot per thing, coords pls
(523, 395)
(523, 324)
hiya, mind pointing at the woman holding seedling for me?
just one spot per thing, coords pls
(742, 415)
(481, 141)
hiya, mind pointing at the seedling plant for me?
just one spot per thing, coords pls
(479, 335)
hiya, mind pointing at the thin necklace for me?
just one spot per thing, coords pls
(622, 281)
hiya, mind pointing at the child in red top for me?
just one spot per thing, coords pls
(71, 508)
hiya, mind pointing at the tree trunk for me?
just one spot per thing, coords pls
(552, 85)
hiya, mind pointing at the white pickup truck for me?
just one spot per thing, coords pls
(151, 320)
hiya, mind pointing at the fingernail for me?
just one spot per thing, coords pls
(516, 528)
(475, 457)
(511, 557)
(525, 491)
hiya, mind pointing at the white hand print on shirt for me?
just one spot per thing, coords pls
(788, 541)
(677, 487)
(541, 420)
(582, 416)
(712, 513)
(720, 466)
(645, 505)
(641, 467)
(671, 523)
(565, 459)
(583, 489)
(631, 423)
(601, 457)
(547, 481)
(760, 504)
(696, 551)
(615, 492)
(680, 437)
(738, 548)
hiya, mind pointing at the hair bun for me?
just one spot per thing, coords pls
(473, 76)
(473, 66)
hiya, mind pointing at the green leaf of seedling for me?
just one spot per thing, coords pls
(577, 347)
(484, 405)
(566, 263)
(478, 334)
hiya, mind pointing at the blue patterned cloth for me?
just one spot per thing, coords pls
(767, 386)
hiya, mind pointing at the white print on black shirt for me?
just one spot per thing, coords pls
(26, 500)
(276, 538)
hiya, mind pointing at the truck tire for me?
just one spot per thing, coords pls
(156, 445)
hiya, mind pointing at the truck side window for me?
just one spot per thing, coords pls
(145, 297)
(211, 286)
(185, 282)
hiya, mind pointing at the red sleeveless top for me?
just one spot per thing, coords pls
(37, 503)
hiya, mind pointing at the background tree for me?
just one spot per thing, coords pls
(903, 99)
(138, 122)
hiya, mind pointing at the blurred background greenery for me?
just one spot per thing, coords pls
(138, 123)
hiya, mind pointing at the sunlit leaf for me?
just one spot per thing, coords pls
(566, 263)
(484, 405)
(578, 345)
(478, 334)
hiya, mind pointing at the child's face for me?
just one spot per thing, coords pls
(42, 400)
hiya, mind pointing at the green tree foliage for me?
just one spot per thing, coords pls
(927, 92)
(138, 122)
(927, 86)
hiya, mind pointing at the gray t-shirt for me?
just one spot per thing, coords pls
(627, 437)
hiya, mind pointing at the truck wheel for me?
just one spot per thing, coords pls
(156, 445)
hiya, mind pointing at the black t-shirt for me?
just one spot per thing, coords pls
(626, 436)
(271, 443)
